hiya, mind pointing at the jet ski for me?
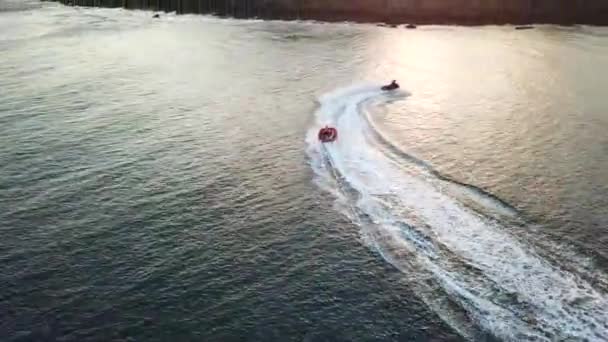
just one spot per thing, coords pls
(392, 86)
(328, 134)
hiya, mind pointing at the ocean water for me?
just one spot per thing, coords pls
(160, 180)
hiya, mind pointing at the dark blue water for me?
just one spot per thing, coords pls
(159, 181)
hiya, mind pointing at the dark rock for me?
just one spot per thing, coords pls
(524, 27)
(156, 16)
(410, 26)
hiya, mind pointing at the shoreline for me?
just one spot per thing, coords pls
(393, 14)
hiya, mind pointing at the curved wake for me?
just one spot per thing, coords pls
(464, 264)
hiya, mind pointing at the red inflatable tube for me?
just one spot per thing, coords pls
(328, 134)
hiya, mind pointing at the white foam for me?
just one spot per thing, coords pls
(502, 284)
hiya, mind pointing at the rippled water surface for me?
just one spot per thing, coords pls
(161, 180)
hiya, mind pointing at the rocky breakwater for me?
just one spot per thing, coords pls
(462, 12)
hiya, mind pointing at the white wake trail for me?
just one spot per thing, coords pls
(501, 286)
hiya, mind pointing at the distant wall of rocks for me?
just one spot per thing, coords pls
(464, 12)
